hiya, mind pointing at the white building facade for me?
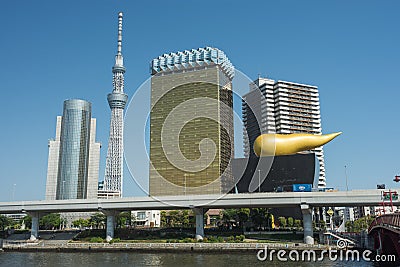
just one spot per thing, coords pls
(147, 218)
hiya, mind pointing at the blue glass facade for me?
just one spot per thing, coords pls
(73, 161)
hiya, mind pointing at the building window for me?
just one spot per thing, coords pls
(141, 215)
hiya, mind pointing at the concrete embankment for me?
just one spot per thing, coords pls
(165, 247)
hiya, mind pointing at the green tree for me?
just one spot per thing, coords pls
(50, 221)
(282, 222)
(349, 226)
(5, 222)
(124, 219)
(229, 217)
(185, 218)
(260, 217)
(174, 218)
(297, 223)
(243, 216)
(98, 219)
(177, 218)
(81, 223)
(359, 224)
(163, 219)
(290, 222)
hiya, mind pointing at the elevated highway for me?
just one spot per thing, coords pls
(199, 204)
(250, 200)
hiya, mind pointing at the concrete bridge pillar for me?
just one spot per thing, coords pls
(35, 225)
(307, 223)
(110, 224)
(199, 212)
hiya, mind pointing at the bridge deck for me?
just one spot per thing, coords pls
(284, 199)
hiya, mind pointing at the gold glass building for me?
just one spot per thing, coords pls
(191, 123)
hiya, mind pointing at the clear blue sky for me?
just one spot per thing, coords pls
(55, 50)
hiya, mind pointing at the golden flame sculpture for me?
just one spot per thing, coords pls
(287, 144)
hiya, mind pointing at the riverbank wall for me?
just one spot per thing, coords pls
(154, 247)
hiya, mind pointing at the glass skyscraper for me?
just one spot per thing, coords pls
(74, 154)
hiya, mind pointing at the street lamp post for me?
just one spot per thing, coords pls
(345, 173)
(259, 181)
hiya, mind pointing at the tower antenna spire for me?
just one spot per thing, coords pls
(119, 59)
(120, 15)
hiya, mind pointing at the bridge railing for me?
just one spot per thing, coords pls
(388, 220)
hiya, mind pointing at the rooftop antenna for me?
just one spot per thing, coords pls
(120, 15)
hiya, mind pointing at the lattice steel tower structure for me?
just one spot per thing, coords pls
(117, 101)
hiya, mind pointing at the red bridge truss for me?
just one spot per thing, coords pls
(385, 230)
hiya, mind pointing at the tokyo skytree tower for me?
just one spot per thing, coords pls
(117, 101)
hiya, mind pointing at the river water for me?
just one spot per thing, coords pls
(59, 259)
